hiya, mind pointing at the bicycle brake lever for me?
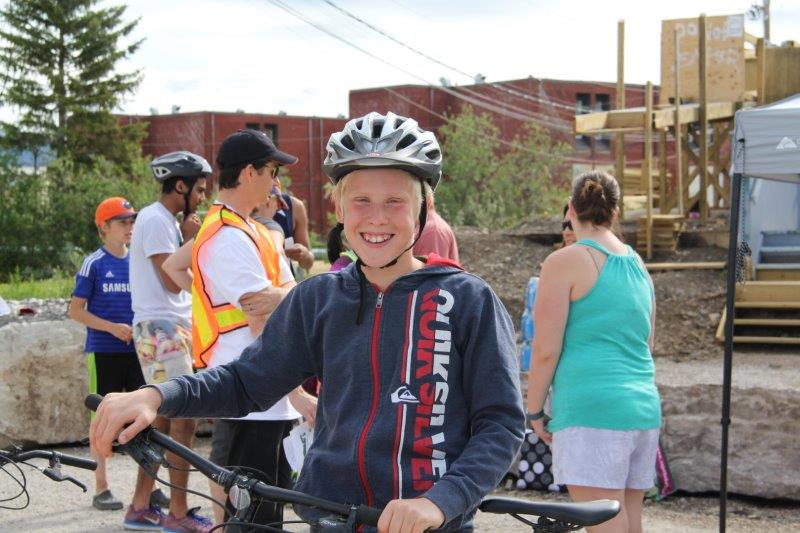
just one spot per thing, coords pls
(76, 482)
(56, 474)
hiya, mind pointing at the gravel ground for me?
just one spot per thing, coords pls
(64, 508)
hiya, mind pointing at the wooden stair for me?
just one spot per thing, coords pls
(767, 312)
(665, 234)
(633, 184)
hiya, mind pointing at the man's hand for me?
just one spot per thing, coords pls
(305, 403)
(121, 331)
(301, 254)
(410, 516)
(190, 226)
(136, 408)
(263, 302)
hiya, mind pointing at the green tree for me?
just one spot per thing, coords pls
(490, 184)
(49, 223)
(59, 73)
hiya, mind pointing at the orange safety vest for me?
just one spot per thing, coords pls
(209, 321)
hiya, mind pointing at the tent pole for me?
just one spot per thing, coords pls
(736, 189)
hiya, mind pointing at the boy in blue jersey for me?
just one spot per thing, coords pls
(102, 302)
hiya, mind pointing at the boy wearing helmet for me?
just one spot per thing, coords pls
(162, 319)
(403, 346)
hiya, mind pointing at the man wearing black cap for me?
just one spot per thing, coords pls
(239, 277)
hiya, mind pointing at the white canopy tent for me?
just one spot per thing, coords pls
(766, 145)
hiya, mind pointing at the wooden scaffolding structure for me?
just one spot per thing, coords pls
(697, 103)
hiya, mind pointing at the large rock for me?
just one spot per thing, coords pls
(43, 380)
(764, 457)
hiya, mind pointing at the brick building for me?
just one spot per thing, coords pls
(203, 131)
(551, 103)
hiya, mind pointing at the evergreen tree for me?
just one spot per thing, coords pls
(59, 73)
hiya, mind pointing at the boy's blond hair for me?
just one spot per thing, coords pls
(339, 188)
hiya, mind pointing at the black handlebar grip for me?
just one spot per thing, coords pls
(92, 401)
(368, 515)
(78, 462)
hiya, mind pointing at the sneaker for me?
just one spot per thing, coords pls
(191, 523)
(159, 499)
(150, 519)
(105, 501)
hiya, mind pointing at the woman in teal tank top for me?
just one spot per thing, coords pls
(594, 321)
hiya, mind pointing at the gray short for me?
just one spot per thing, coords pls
(605, 458)
(221, 441)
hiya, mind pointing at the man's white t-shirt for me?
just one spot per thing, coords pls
(232, 268)
(156, 232)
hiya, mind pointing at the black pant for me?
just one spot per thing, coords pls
(259, 444)
(117, 372)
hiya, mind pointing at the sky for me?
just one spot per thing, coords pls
(253, 55)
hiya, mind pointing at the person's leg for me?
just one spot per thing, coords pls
(105, 376)
(100, 481)
(182, 430)
(145, 483)
(641, 476)
(633, 508)
(220, 448)
(618, 524)
(257, 444)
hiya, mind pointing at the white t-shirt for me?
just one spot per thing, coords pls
(232, 268)
(156, 232)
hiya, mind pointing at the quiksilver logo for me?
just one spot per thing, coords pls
(787, 144)
(403, 395)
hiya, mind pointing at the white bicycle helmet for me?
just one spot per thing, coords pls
(181, 164)
(378, 141)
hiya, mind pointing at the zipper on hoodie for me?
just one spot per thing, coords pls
(362, 440)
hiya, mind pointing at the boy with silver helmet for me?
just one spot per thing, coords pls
(403, 347)
(162, 320)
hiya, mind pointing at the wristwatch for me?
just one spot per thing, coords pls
(531, 417)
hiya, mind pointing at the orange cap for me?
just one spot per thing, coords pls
(113, 208)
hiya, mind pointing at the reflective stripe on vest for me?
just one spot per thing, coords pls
(210, 321)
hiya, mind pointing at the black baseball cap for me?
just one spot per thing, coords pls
(249, 146)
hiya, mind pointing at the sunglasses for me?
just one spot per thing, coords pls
(566, 225)
(273, 171)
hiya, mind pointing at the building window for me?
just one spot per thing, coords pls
(583, 105)
(270, 129)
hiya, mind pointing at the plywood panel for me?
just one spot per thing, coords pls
(782, 73)
(725, 53)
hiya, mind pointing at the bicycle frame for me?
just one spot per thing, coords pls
(147, 449)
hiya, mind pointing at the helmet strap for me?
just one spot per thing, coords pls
(186, 197)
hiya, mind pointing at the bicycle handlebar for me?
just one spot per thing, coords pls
(553, 516)
(64, 459)
(363, 514)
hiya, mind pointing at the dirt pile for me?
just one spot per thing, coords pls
(689, 302)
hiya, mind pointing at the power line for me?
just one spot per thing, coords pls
(395, 40)
(473, 101)
(450, 67)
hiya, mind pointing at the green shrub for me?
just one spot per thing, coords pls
(47, 220)
(490, 184)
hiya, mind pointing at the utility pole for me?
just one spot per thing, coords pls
(765, 18)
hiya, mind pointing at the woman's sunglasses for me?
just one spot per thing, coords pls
(566, 225)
